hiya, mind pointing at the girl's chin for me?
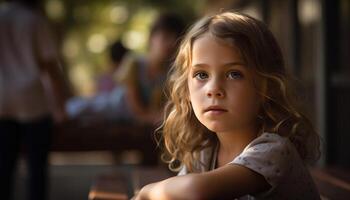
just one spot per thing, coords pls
(216, 125)
(216, 128)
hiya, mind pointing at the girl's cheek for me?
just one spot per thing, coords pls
(197, 84)
(192, 85)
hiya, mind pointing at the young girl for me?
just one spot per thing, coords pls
(230, 126)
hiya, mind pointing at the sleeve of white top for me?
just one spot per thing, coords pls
(183, 171)
(268, 155)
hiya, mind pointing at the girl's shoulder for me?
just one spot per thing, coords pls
(277, 160)
(268, 153)
(269, 141)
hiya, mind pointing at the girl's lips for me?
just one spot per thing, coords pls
(215, 112)
(215, 109)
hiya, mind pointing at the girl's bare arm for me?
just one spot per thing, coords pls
(227, 182)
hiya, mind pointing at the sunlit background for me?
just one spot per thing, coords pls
(87, 28)
(313, 34)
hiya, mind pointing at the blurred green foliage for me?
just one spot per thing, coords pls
(86, 28)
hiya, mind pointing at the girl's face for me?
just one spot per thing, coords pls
(221, 87)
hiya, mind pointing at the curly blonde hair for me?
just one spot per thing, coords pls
(183, 136)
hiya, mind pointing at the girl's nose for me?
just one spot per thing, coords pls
(216, 92)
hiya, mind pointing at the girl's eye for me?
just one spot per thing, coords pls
(235, 75)
(201, 75)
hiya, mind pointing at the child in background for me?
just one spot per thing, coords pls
(230, 126)
(143, 76)
(108, 94)
(106, 82)
(138, 97)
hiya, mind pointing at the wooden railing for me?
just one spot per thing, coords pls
(79, 135)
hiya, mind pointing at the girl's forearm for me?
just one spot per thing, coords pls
(180, 187)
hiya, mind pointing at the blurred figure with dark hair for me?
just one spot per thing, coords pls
(31, 94)
(168, 22)
(143, 77)
(165, 35)
(106, 82)
(139, 94)
(104, 104)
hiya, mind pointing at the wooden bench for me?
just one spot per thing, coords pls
(80, 135)
(125, 182)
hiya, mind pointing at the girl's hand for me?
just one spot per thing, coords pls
(174, 188)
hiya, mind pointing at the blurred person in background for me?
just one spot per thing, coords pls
(106, 82)
(140, 78)
(31, 94)
(102, 105)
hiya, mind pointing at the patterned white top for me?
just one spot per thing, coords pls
(277, 160)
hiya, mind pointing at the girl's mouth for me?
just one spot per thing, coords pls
(215, 110)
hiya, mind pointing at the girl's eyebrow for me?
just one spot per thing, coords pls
(230, 64)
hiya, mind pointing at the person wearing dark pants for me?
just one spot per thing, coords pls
(32, 95)
(36, 137)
